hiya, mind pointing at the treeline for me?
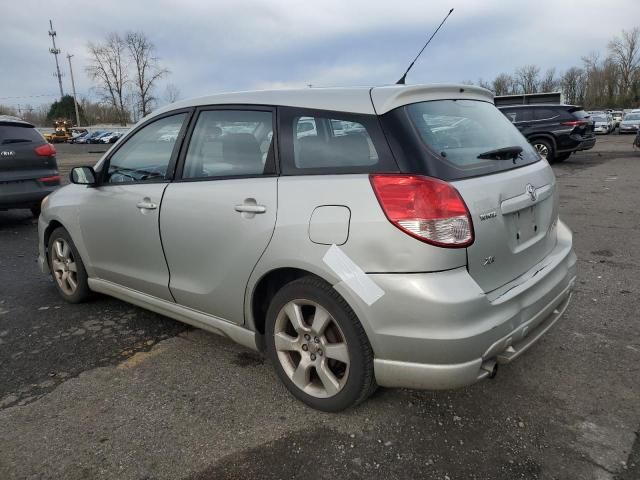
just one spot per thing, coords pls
(91, 113)
(609, 82)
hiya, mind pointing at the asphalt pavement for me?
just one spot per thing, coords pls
(108, 390)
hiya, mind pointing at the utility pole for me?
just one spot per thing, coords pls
(56, 52)
(73, 88)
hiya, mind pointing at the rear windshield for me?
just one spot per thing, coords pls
(12, 134)
(459, 131)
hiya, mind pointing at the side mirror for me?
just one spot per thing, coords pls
(83, 176)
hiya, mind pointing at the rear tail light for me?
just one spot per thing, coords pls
(425, 208)
(46, 150)
(574, 123)
(50, 181)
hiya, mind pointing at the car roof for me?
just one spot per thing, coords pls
(11, 120)
(362, 100)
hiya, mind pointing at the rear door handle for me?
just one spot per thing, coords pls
(247, 208)
(147, 204)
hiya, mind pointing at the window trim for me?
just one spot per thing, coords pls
(271, 163)
(371, 123)
(177, 146)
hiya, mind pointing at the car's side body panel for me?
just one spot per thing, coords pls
(211, 265)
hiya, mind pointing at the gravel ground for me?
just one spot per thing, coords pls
(107, 390)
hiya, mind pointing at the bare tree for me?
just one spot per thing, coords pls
(572, 85)
(108, 67)
(626, 54)
(171, 93)
(147, 70)
(484, 84)
(503, 84)
(549, 82)
(527, 78)
(8, 110)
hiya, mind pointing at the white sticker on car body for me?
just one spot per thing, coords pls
(352, 275)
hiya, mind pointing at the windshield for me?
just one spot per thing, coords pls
(598, 118)
(632, 117)
(465, 134)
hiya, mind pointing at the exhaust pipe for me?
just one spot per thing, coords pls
(490, 366)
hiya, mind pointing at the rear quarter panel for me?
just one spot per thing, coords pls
(373, 243)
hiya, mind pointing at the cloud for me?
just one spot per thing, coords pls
(246, 44)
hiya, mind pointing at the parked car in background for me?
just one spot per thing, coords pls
(28, 167)
(617, 117)
(87, 138)
(556, 131)
(376, 251)
(111, 137)
(601, 123)
(77, 134)
(630, 123)
(98, 138)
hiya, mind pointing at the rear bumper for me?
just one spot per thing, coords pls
(25, 195)
(582, 143)
(448, 333)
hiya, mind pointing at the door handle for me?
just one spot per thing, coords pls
(247, 208)
(147, 204)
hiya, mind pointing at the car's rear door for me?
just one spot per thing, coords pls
(512, 199)
(217, 218)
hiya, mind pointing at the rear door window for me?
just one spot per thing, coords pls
(544, 114)
(229, 143)
(332, 142)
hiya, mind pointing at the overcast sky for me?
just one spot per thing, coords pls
(214, 46)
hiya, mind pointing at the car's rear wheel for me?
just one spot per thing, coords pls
(318, 346)
(561, 157)
(544, 148)
(67, 268)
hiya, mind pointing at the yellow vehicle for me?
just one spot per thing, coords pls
(61, 133)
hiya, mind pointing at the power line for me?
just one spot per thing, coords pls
(30, 96)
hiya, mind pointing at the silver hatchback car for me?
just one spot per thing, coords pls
(402, 236)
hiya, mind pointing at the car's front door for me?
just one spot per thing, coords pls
(218, 218)
(119, 220)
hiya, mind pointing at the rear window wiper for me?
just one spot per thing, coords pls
(505, 153)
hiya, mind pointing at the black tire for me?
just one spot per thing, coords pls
(360, 381)
(561, 157)
(35, 211)
(540, 144)
(81, 292)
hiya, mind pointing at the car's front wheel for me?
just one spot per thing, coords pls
(66, 267)
(318, 346)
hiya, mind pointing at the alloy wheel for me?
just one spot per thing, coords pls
(311, 348)
(63, 266)
(542, 149)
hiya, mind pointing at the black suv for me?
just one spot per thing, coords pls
(28, 167)
(556, 131)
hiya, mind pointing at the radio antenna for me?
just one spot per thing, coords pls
(404, 77)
